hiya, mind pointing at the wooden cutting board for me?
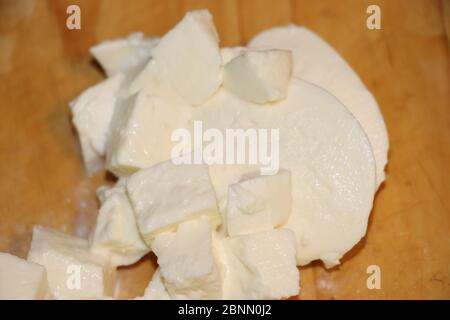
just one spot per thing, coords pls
(406, 64)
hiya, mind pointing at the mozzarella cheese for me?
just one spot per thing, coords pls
(259, 76)
(142, 132)
(229, 53)
(167, 194)
(316, 207)
(72, 271)
(317, 62)
(329, 157)
(258, 203)
(124, 54)
(186, 62)
(156, 289)
(196, 264)
(187, 261)
(92, 114)
(21, 279)
(261, 265)
(116, 235)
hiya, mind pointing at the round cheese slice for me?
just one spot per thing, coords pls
(328, 154)
(317, 62)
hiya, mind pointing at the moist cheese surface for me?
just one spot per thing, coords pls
(219, 230)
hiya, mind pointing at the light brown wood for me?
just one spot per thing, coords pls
(406, 65)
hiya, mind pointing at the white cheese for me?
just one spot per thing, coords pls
(261, 266)
(229, 53)
(92, 114)
(167, 194)
(142, 130)
(258, 203)
(116, 235)
(317, 62)
(259, 76)
(156, 289)
(329, 157)
(187, 261)
(72, 271)
(317, 207)
(21, 279)
(124, 54)
(186, 62)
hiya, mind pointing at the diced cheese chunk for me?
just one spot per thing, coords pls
(156, 290)
(167, 194)
(142, 133)
(258, 203)
(21, 280)
(92, 114)
(187, 261)
(261, 266)
(124, 54)
(72, 271)
(186, 62)
(259, 76)
(116, 235)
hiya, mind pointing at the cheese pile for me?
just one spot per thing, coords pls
(219, 231)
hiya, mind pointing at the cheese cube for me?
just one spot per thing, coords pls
(261, 266)
(258, 203)
(156, 289)
(21, 280)
(259, 76)
(186, 62)
(142, 133)
(92, 114)
(72, 271)
(167, 194)
(116, 235)
(187, 261)
(124, 54)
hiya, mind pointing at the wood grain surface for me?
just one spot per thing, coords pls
(406, 64)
